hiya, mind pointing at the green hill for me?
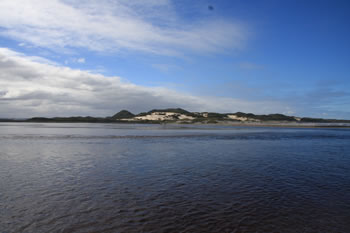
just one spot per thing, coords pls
(123, 114)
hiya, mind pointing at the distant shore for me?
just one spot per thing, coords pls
(181, 116)
(223, 123)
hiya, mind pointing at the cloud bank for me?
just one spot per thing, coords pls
(33, 86)
(118, 25)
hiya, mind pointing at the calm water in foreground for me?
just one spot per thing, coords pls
(143, 178)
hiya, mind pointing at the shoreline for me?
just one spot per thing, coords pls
(286, 124)
(224, 123)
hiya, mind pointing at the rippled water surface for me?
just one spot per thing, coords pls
(151, 178)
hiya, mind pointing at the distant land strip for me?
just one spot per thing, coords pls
(181, 116)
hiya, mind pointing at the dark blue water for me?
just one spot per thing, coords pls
(143, 178)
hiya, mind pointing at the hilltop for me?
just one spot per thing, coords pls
(123, 114)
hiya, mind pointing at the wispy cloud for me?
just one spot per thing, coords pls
(80, 60)
(34, 87)
(165, 67)
(147, 26)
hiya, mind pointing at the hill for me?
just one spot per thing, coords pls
(123, 114)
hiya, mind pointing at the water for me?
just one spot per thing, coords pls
(151, 178)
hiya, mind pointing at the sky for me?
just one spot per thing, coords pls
(97, 57)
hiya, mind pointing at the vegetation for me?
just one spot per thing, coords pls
(87, 119)
(174, 110)
(320, 120)
(214, 115)
(212, 122)
(270, 117)
(123, 114)
(7, 120)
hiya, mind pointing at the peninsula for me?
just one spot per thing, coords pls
(181, 116)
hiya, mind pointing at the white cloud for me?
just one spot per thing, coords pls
(104, 25)
(74, 60)
(30, 86)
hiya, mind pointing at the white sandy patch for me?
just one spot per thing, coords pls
(163, 116)
(234, 117)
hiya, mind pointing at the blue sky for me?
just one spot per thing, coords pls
(98, 57)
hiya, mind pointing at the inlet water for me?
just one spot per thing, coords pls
(177, 178)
